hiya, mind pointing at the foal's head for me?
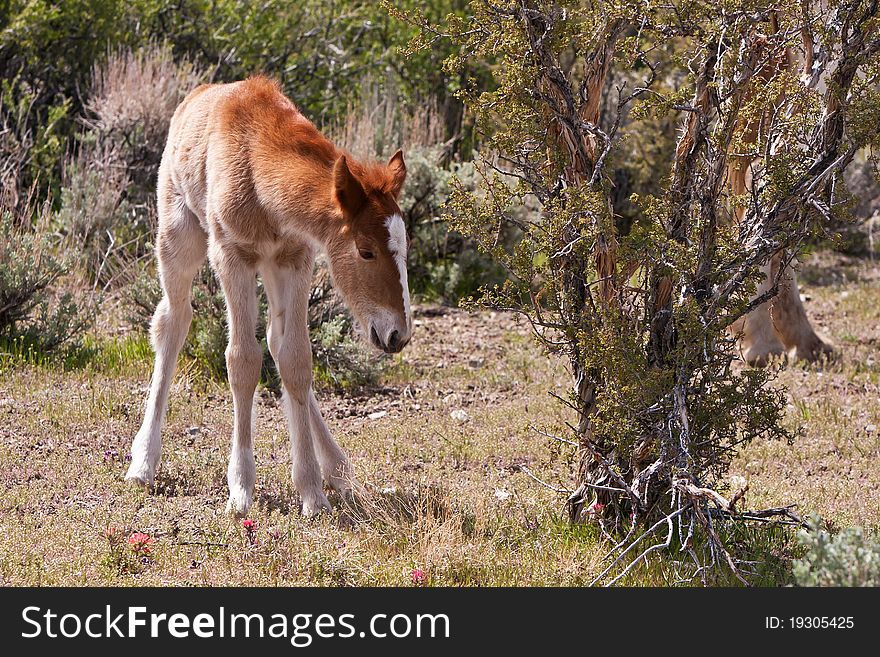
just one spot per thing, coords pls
(368, 252)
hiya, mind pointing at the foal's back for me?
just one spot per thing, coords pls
(230, 153)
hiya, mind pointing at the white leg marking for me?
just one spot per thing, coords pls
(243, 360)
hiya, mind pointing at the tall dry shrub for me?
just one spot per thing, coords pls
(108, 190)
(132, 99)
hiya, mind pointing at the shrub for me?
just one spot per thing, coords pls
(341, 360)
(108, 187)
(133, 96)
(848, 559)
(442, 264)
(32, 312)
(96, 217)
(31, 145)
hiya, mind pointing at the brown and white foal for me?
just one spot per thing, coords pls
(248, 181)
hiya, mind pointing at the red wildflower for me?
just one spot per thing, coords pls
(140, 543)
(249, 525)
(418, 576)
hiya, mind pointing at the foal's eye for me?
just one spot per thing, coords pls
(366, 255)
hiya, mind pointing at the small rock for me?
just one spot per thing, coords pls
(738, 482)
(871, 428)
(460, 415)
(476, 363)
(501, 494)
(193, 431)
(377, 415)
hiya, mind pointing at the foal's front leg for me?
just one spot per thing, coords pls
(243, 360)
(288, 336)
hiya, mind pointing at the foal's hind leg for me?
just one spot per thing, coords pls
(180, 249)
(791, 322)
(759, 343)
(337, 469)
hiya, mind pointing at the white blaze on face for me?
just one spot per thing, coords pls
(397, 247)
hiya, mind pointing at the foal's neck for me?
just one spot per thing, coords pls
(297, 168)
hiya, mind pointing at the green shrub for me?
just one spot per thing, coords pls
(849, 558)
(341, 360)
(32, 313)
(442, 264)
(96, 216)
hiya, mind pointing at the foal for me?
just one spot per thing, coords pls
(248, 181)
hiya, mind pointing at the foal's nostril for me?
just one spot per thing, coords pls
(394, 341)
(374, 338)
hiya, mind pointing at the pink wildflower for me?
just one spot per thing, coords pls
(418, 576)
(140, 543)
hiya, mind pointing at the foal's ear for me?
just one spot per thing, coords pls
(347, 189)
(397, 171)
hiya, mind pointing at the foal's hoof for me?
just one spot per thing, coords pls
(139, 476)
(238, 504)
(349, 489)
(355, 494)
(756, 358)
(314, 506)
(814, 350)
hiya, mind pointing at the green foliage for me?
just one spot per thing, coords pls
(442, 264)
(340, 361)
(321, 50)
(31, 142)
(32, 314)
(849, 558)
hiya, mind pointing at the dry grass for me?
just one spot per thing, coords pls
(448, 495)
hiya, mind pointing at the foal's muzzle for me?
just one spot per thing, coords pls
(392, 345)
